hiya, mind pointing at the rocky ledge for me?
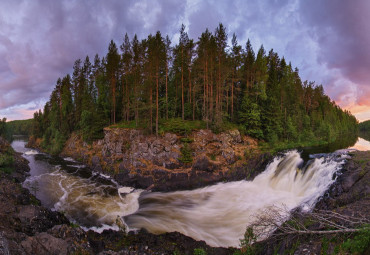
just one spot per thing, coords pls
(170, 162)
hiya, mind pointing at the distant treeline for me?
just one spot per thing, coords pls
(364, 126)
(16, 127)
(146, 83)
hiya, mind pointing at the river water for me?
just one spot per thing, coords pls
(218, 214)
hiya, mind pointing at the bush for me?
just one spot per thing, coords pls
(179, 126)
(360, 243)
(6, 161)
(186, 154)
(199, 251)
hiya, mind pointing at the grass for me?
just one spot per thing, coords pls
(173, 125)
(179, 126)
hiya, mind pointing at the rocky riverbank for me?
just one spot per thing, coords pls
(26, 227)
(169, 162)
(349, 197)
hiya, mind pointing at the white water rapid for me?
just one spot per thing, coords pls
(219, 214)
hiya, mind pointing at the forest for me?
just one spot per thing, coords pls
(15, 127)
(364, 126)
(154, 84)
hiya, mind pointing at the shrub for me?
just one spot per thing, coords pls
(199, 251)
(186, 154)
(179, 126)
(360, 243)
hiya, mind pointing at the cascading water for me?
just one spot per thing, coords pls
(219, 214)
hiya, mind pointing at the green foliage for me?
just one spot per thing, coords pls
(249, 116)
(213, 157)
(360, 243)
(186, 154)
(199, 251)
(2, 126)
(246, 244)
(16, 127)
(364, 126)
(91, 127)
(186, 140)
(6, 159)
(74, 225)
(192, 85)
(179, 126)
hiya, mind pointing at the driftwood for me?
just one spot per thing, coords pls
(277, 222)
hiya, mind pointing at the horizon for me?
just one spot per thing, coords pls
(40, 41)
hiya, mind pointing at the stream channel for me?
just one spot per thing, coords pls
(217, 214)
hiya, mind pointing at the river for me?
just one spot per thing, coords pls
(217, 214)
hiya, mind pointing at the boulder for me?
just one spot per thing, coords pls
(203, 164)
(171, 138)
(45, 243)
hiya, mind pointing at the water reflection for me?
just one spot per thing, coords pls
(343, 142)
(361, 145)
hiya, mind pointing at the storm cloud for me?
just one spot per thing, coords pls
(328, 41)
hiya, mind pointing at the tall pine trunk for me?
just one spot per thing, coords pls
(182, 85)
(157, 106)
(166, 91)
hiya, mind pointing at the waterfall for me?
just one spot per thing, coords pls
(219, 214)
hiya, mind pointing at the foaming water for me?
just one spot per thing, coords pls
(219, 214)
(92, 200)
(90, 203)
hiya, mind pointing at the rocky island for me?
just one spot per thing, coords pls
(29, 228)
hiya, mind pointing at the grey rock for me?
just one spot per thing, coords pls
(95, 161)
(203, 164)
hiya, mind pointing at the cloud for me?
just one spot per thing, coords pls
(343, 35)
(40, 40)
(328, 41)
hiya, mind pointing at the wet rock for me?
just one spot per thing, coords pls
(203, 164)
(160, 174)
(34, 219)
(95, 161)
(44, 243)
(144, 181)
(172, 164)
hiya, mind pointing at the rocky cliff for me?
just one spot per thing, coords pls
(169, 162)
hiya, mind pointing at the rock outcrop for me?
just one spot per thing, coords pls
(147, 161)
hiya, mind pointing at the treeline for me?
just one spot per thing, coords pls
(364, 126)
(144, 83)
(15, 127)
(2, 126)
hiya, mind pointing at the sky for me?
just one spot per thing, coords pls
(328, 40)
